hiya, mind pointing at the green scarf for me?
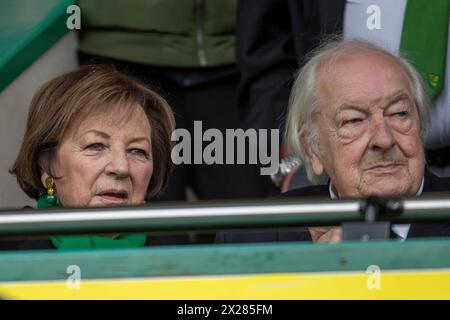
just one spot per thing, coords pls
(424, 40)
(62, 243)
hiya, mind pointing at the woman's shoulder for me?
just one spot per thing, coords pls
(39, 244)
(42, 244)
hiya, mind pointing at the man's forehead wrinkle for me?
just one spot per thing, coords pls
(340, 84)
(350, 107)
(381, 102)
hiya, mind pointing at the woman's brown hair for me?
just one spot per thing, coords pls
(64, 102)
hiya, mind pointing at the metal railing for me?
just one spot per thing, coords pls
(216, 215)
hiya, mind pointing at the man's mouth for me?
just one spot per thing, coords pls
(385, 168)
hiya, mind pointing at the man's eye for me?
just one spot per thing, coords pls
(401, 114)
(95, 147)
(139, 152)
(351, 121)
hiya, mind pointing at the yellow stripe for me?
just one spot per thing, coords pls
(427, 284)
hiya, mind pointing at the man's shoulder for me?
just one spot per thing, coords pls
(310, 191)
(433, 183)
(298, 234)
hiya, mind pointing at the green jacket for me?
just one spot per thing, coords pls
(174, 33)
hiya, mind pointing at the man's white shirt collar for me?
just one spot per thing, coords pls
(400, 229)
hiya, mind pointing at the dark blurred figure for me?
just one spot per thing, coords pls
(274, 38)
(186, 51)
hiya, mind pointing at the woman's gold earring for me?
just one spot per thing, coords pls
(50, 198)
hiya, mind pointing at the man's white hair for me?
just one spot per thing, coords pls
(302, 134)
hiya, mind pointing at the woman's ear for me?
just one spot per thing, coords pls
(44, 177)
(44, 166)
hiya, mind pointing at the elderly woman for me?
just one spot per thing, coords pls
(95, 137)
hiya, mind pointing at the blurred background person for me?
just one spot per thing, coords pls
(185, 50)
(274, 39)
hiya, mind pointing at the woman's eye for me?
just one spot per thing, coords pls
(95, 147)
(139, 152)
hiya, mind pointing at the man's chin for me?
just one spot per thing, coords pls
(387, 189)
(394, 193)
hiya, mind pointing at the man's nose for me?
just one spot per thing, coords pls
(381, 135)
(118, 165)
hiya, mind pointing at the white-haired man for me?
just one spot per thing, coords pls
(359, 114)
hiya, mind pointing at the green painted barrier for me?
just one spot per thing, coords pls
(27, 30)
(196, 260)
(415, 269)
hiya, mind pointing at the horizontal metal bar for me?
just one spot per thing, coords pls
(179, 216)
(209, 216)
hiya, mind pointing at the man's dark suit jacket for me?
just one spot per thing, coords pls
(432, 184)
(273, 39)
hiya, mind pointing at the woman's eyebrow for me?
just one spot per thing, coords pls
(139, 139)
(96, 132)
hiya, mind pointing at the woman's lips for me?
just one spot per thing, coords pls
(115, 197)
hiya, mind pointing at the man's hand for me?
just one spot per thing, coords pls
(285, 184)
(326, 235)
(285, 151)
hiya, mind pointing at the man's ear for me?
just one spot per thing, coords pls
(316, 163)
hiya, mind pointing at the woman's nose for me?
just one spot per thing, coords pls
(118, 164)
